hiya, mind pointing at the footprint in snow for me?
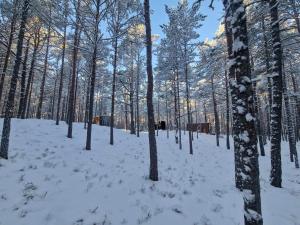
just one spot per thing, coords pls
(217, 208)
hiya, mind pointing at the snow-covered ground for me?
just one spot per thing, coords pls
(50, 179)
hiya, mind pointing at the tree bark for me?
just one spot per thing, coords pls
(276, 113)
(244, 117)
(42, 88)
(74, 69)
(9, 45)
(13, 84)
(151, 121)
(23, 80)
(61, 81)
(93, 77)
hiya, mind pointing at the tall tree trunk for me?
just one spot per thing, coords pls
(13, 84)
(233, 90)
(23, 80)
(137, 97)
(9, 45)
(31, 71)
(61, 81)
(290, 124)
(29, 97)
(227, 111)
(53, 100)
(42, 87)
(217, 122)
(112, 114)
(188, 103)
(151, 121)
(245, 118)
(86, 112)
(93, 77)
(131, 94)
(74, 70)
(268, 71)
(178, 108)
(276, 113)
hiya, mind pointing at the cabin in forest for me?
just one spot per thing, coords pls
(161, 125)
(199, 127)
(102, 120)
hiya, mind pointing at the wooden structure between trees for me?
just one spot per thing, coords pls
(161, 125)
(199, 127)
(102, 120)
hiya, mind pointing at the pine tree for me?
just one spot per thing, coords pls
(13, 84)
(151, 129)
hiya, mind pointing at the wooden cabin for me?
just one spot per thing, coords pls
(102, 120)
(161, 125)
(199, 127)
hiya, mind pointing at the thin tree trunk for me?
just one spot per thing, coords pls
(151, 122)
(217, 123)
(42, 88)
(13, 84)
(93, 77)
(290, 126)
(188, 104)
(227, 111)
(23, 80)
(74, 69)
(137, 98)
(9, 45)
(112, 115)
(131, 94)
(276, 114)
(61, 81)
(31, 71)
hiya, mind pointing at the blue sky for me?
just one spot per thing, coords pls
(209, 27)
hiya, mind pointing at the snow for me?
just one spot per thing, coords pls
(51, 180)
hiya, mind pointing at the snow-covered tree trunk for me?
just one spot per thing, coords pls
(13, 84)
(268, 71)
(244, 118)
(290, 125)
(233, 91)
(276, 113)
(151, 121)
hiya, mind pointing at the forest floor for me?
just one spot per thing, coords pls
(50, 179)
